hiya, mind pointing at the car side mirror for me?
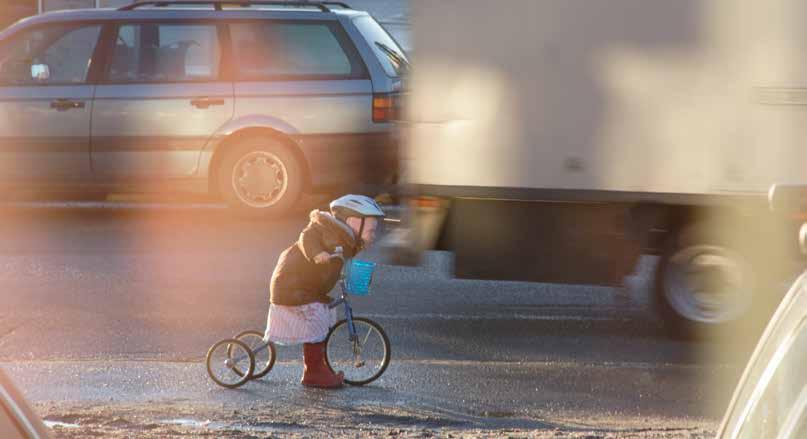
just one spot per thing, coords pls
(788, 198)
(803, 239)
(40, 72)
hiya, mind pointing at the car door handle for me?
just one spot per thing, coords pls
(66, 104)
(205, 103)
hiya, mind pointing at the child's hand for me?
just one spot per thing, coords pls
(322, 258)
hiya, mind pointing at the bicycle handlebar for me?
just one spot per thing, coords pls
(338, 254)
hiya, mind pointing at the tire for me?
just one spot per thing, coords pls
(710, 282)
(229, 376)
(260, 177)
(338, 351)
(264, 360)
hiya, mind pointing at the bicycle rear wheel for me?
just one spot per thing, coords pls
(264, 352)
(230, 363)
(362, 359)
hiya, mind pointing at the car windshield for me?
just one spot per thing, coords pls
(771, 398)
(778, 400)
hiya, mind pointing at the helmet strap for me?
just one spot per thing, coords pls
(359, 239)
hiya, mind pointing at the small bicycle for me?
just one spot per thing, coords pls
(357, 346)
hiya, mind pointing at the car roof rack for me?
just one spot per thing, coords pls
(219, 4)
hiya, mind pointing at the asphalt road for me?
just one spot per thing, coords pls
(108, 306)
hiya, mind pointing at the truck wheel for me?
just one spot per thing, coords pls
(260, 177)
(703, 285)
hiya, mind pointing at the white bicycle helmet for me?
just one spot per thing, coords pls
(358, 206)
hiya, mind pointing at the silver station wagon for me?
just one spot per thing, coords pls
(253, 101)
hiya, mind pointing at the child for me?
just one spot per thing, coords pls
(305, 274)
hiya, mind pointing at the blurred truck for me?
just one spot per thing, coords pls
(559, 140)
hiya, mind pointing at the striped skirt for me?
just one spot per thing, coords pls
(289, 325)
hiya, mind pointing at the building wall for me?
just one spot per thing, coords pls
(13, 10)
(53, 5)
(114, 3)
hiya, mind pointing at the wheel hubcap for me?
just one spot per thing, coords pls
(260, 179)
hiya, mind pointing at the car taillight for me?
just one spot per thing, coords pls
(425, 202)
(384, 107)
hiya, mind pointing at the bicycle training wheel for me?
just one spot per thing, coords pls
(362, 360)
(230, 363)
(263, 352)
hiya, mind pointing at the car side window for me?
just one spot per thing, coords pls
(65, 50)
(169, 52)
(782, 388)
(273, 49)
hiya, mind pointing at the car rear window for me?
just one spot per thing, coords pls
(276, 49)
(391, 56)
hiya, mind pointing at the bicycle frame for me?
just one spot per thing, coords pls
(343, 300)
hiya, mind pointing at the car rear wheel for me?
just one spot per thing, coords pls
(260, 177)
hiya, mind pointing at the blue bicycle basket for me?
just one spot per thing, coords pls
(359, 276)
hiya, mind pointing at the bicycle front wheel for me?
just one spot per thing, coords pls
(230, 363)
(363, 358)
